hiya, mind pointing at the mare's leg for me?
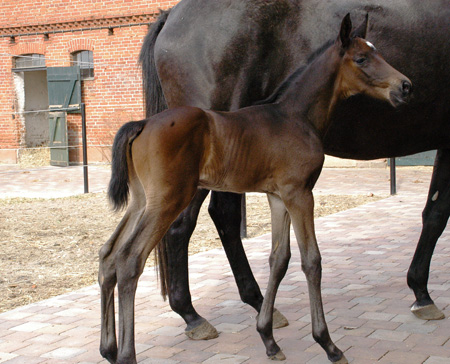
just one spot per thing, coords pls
(279, 259)
(176, 245)
(225, 210)
(300, 205)
(107, 280)
(435, 217)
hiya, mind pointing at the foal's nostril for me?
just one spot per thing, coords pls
(406, 87)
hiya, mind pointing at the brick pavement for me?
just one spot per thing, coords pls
(366, 252)
(52, 182)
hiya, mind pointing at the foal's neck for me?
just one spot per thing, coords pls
(311, 97)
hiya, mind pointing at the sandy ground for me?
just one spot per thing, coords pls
(50, 246)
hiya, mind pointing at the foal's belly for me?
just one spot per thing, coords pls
(237, 183)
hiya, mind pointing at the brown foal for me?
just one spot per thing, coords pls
(274, 147)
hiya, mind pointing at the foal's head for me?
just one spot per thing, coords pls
(363, 70)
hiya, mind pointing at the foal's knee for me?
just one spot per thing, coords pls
(129, 267)
(264, 325)
(106, 272)
(104, 252)
(312, 267)
(279, 262)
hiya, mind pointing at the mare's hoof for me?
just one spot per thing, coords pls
(428, 312)
(205, 331)
(342, 360)
(279, 320)
(278, 356)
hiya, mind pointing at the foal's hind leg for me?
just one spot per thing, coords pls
(130, 262)
(107, 281)
(435, 217)
(279, 259)
(300, 205)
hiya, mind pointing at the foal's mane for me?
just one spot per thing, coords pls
(288, 81)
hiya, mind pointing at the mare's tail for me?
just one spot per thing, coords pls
(154, 97)
(118, 189)
(155, 103)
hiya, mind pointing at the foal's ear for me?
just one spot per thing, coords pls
(361, 31)
(346, 29)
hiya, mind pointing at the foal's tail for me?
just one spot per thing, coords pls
(154, 96)
(118, 189)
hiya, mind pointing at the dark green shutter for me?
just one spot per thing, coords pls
(419, 159)
(59, 151)
(64, 89)
(64, 92)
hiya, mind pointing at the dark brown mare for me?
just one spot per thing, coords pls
(224, 55)
(274, 148)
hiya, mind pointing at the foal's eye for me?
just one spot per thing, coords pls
(360, 61)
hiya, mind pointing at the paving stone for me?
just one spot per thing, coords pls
(389, 335)
(226, 359)
(6, 356)
(168, 331)
(24, 360)
(64, 353)
(401, 357)
(163, 352)
(382, 316)
(417, 328)
(46, 339)
(36, 350)
(159, 361)
(437, 360)
(30, 326)
(366, 353)
(230, 328)
(12, 345)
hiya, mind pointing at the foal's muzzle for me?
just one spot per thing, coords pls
(403, 94)
(406, 89)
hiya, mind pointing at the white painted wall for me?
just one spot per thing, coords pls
(36, 98)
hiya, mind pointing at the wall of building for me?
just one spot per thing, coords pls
(112, 98)
(15, 13)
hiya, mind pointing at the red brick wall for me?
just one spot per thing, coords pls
(23, 12)
(113, 97)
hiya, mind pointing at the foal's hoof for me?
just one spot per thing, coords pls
(428, 312)
(342, 360)
(109, 351)
(205, 331)
(279, 320)
(278, 356)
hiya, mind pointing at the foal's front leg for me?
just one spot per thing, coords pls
(301, 209)
(279, 259)
(225, 210)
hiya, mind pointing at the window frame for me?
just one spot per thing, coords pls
(84, 58)
(29, 62)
